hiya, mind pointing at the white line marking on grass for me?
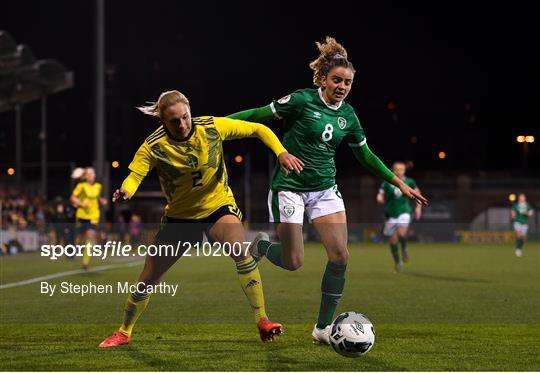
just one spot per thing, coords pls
(68, 273)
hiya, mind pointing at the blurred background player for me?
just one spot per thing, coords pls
(316, 121)
(86, 197)
(188, 155)
(398, 214)
(521, 212)
(62, 218)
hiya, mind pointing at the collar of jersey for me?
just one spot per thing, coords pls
(171, 136)
(333, 107)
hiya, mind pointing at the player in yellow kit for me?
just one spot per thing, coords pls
(86, 197)
(188, 155)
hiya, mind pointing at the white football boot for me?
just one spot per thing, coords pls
(321, 336)
(261, 236)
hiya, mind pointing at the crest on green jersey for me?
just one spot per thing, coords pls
(285, 99)
(341, 122)
(288, 210)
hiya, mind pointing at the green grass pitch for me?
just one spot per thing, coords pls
(455, 307)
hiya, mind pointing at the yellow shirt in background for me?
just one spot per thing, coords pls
(88, 193)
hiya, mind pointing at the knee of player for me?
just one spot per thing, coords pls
(294, 264)
(340, 256)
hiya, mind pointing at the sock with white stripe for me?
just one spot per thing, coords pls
(272, 251)
(332, 285)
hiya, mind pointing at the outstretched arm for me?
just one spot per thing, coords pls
(260, 114)
(374, 165)
(128, 188)
(142, 163)
(231, 129)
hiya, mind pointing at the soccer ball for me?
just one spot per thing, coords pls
(352, 334)
(77, 173)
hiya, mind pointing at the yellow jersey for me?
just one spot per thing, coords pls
(88, 193)
(192, 172)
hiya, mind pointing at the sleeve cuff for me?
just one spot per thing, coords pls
(359, 144)
(274, 111)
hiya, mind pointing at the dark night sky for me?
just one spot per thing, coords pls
(430, 60)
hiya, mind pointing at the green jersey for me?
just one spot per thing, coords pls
(522, 212)
(396, 202)
(313, 131)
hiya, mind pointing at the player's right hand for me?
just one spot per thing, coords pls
(289, 163)
(413, 194)
(121, 194)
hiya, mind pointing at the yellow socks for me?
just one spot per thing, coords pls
(250, 280)
(135, 305)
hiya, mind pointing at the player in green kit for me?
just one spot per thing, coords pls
(398, 214)
(521, 212)
(316, 122)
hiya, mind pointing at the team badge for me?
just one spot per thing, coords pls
(284, 100)
(341, 122)
(192, 161)
(288, 210)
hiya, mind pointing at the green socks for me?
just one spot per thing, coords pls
(403, 243)
(519, 243)
(395, 252)
(332, 285)
(271, 250)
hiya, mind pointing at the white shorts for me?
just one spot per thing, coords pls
(289, 207)
(520, 228)
(392, 224)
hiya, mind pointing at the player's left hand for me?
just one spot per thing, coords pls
(289, 163)
(413, 194)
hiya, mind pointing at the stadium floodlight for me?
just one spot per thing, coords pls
(23, 80)
(7, 44)
(12, 61)
(525, 138)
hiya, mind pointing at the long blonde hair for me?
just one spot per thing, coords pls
(332, 54)
(165, 100)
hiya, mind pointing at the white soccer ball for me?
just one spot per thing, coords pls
(352, 334)
(77, 173)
